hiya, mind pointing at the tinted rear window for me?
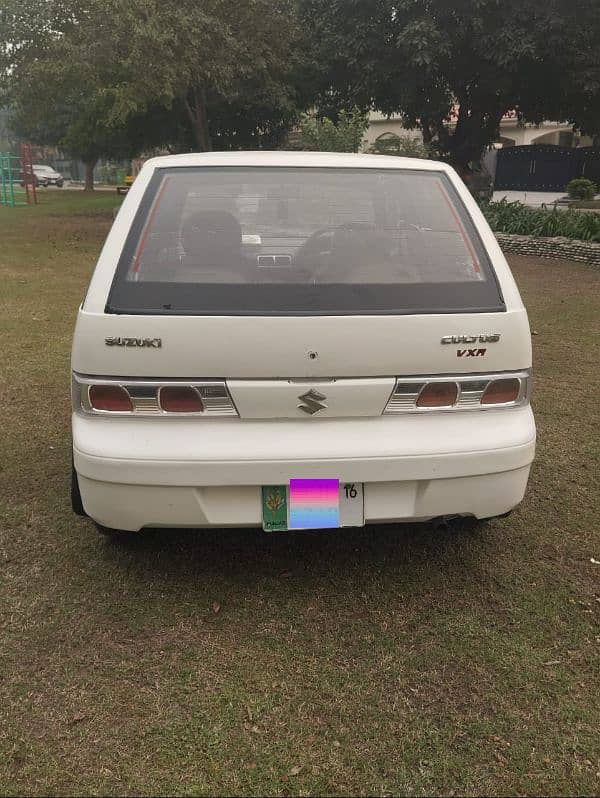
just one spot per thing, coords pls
(271, 241)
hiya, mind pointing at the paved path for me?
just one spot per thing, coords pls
(529, 197)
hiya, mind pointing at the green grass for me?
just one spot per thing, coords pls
(390, 660)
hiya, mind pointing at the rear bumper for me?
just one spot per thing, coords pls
(152, 472)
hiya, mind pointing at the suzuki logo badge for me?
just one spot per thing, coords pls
(313, 402)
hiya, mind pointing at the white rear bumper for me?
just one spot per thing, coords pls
(178, 472)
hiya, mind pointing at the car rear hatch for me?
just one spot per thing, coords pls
(310, 291)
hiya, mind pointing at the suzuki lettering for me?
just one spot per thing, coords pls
(154, 343)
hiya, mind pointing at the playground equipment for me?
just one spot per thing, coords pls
(17, 179)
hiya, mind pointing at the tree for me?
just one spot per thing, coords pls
(466, 61)
(218, 54)
(570, 72)
(104, 78)
(75, 125)
(57, 91)
(325, 135)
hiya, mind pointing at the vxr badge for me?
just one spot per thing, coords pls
(313, 402)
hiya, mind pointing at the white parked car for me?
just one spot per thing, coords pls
(47, 176)
(299, 340)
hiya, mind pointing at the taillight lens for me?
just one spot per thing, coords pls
(501, 391)
(438, 394)
(180, 399)
(113, 398)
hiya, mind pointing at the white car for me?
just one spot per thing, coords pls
(47, 176)
(299, 340)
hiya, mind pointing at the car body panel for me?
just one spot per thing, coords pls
(293, 347)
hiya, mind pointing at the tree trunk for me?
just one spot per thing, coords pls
(475, 130)
(89, 174)
(426, 131)
(195, 105)
(460, 144)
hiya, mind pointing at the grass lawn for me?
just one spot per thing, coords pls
(379, 661)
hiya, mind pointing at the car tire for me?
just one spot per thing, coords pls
(76, 502)
(59, 183)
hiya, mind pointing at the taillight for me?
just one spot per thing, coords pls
(459, 392)
(151, 398)
(438, 394)
(111, 398)
(180, 399)
(501, 391)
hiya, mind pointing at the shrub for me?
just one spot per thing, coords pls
(514, 217)
(325, 135)
(581, 188)
(409, 147)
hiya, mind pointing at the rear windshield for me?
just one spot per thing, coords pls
(273, 241)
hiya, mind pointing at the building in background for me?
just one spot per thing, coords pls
(526, 156)
(512, 131)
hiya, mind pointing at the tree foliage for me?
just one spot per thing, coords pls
(108, 78)
(466, 61)
(218, 55)
(55, 81)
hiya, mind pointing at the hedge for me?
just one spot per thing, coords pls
(519, 219)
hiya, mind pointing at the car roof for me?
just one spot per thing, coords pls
(43, 166)
(284, 158)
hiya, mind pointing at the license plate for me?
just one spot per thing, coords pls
(312, 504)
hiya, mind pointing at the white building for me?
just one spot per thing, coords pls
(512, 132)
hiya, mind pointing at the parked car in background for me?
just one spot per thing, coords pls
(299, 340)
(47, 176)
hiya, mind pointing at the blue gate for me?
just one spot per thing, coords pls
(545, 167)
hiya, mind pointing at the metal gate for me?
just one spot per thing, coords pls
(590, 164)
(545, 167)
